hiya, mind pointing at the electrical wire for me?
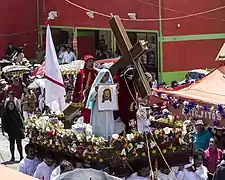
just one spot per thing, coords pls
(138, 20)
(148, 19)
(176, 11)
(19, 33)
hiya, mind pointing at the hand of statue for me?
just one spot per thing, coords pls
(117, 87)
(96, 88)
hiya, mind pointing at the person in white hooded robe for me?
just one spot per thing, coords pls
(102, 122)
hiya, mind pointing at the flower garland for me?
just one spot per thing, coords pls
(133, 146)
(55, 137)
(122, 148)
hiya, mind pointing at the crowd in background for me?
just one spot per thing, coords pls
(18, 103)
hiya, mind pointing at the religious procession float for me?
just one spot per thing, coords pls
(165, 139)
(164, 142)
(49, 132)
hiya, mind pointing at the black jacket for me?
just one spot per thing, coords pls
(13, 122)
(220, 172)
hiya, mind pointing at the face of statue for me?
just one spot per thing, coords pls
(11, 106)
(105, 78)
(107, 95)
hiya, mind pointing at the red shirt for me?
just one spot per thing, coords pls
(84, 80)
(212, 159)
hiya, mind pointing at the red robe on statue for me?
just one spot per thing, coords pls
(126, 102)
(84, 80)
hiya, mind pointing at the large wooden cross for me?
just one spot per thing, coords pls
(130, 56)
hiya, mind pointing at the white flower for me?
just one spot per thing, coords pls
(123, 152)
(115, 136)
(139, 146)
(152, 144)
(170, 117)
(130, 137)
(57, 143)
(130, 147)
(185, 102)
(181, 141)
(167, 130)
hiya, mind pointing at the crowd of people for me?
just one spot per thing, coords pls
(18, 103)
(47, 167)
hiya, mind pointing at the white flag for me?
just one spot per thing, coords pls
(54, 88)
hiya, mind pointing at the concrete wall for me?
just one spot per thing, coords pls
(69, 15)
(197, 40)
(194, 44)
(18, 24)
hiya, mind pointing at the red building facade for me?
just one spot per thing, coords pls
(18, 25)
(184, 41)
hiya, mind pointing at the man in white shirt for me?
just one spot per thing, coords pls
(142, 171)
(195, 171)
(29, 164)
(64, 166)
(55, 173)
(45, 168)
(68, 56)
(61, 53)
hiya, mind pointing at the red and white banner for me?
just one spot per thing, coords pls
(54, 88)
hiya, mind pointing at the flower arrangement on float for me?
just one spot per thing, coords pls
(133, 146)
(79, 141)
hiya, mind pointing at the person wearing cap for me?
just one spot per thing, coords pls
(220, 170)
(212, 156)
(220, 136)
(202, 136)
(85, 79)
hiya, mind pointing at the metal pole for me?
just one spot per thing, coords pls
(38, 21)
(160, 63)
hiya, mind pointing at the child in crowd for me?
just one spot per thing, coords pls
(65, 166)
(142, 171)
(56, 172)
(29, 164)
(45, 168)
